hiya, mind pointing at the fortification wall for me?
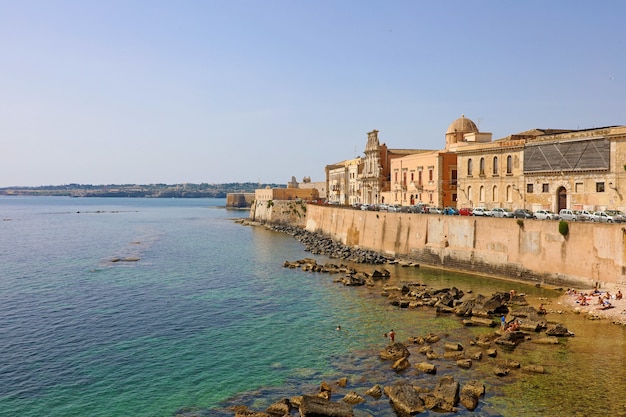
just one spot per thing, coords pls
(239, 200)
(291, 212)
(534, 251)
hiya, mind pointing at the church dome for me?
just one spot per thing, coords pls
(462, 125)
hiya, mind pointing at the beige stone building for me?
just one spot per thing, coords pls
(342, 182)
(546, 169)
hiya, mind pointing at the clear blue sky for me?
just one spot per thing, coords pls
(123, 91)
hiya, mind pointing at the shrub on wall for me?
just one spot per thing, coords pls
(520, 222)
(563, 228)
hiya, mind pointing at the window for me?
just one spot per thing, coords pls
(579, 187)
(412, 176)
(494, 193)
(509, 194)
(482, 166)
(495, 165)
(469, 193)
(599, 187)
(481, 194)
(529, 188)
(395, 176)
(454, 197)
(419, 177)
(469, 167)
(454, 178)
(509, 164)
(545, 188)
(430, 197)
(430, 174)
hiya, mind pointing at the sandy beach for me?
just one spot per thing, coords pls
(569, 302)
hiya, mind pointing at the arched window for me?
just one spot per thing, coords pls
(509, 194)
(509, 164)
(469, 193)
(495, 193)
(495, 165)
(469, 167)
(481, 194)
(482, 166)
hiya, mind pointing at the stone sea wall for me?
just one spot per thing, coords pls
(530, 250)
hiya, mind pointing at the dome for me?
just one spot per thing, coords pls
(462, 125)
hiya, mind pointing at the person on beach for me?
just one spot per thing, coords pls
(542, 309)
(503, 323)
(618, 296)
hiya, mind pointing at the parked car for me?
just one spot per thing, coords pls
(465, 211)
(393, 208)
(605, 217)
(365, 206)
(435, 210)
(523, 214)
(583, 215)
(480, 211)
(545, 215)
(420, 208)
(501, 212)
(568, 215)
(618, 216)
(450, 211)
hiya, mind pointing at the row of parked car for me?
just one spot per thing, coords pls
(607, 216)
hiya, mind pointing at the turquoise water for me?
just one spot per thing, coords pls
(199, 314)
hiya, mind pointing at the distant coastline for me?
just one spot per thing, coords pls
(187, 190)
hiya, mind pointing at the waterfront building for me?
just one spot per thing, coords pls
(342, 182)
(547, 169)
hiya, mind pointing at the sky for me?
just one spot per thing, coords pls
(150, 91)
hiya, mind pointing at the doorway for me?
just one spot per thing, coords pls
(562, 197)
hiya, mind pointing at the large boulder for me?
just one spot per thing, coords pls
(404, 398)
(444, 397)
(313, 406)
(559, 330)
(394, 352)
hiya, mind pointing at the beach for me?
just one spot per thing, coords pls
(569, 301)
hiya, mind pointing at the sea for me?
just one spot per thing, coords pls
(170, 307)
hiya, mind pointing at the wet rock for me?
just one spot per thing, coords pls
(426, 367)
(559, 330)
(313, 406)
(280, 408)
(535, 369)
(342, 382)
(470, 394)
(446, 395)
(375, 392)
(394, 352)
(464, 363)
(353, 398)
(404, 398)
(453, 346)
(401, 364)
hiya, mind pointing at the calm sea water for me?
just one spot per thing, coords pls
(153, 307)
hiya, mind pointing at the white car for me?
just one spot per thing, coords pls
(545, 215)
(568, 215)
(481, 211)
(501, 212)
(605, 217)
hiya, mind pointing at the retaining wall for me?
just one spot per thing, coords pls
(534, 251)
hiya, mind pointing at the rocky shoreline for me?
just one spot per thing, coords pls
(523, 324)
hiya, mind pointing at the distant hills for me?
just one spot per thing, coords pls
(186, 190)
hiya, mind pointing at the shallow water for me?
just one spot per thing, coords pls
(208, 318)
